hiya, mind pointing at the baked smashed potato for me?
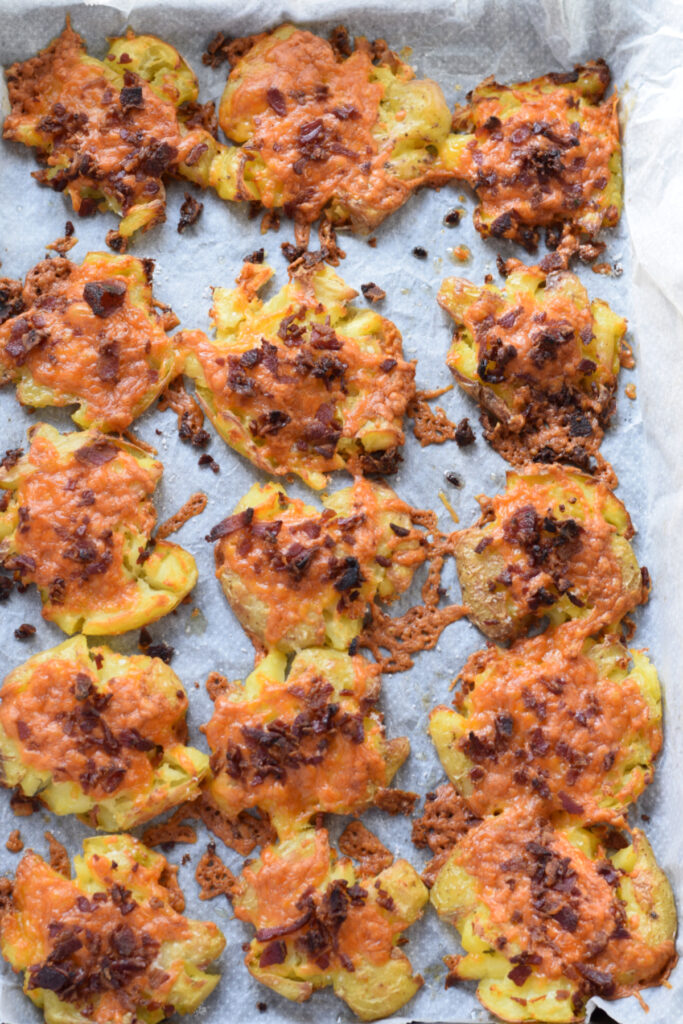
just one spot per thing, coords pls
(349, 134)
(541, 360)
(89, 335)
(302, 740)
(97, 734)
(574, 726)
(317, 923)
(304, 383)
(549, 918)
(109, 131)
(296, 577)
(112, 946)
(77, 521)
(554, 545)
(544, 153)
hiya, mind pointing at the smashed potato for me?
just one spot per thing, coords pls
(301, 741)
(350, 135)
(548, 918)
(544, 153)
(112, 946)
(94, 733)
(540, 359)
(77, 521)
(555, 546)
(109, 131)
(576, 727)
(317, 924)
(296, 577)
(89, 336)
(305, 382)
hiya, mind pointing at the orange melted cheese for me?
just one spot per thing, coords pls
(322, 147)
(109, 364)
(59, 732)
(346, 764)
(77, 516)
(516, 169)
(555, 729)
(293, 598)
(514, 860)
(106, 147)
(43, 898)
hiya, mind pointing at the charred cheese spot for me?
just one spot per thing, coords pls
(78, 524)
(554, 545)
(90, 336)
(98, 734)
(574, 726)
(549, 917)
(296, 577)
(304, 741)
(544, 153)
(305, 382)
(541, 360)
(351, 136)
(109, 131)
(112, 945)
(318, 924)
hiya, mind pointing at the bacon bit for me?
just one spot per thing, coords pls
(255, 257)
(630, 391)
(395, 801)
(464, 435)
(190, 416)
(230, 525)
(372, 292)
(420, 253)
(11, 302)
(194, 506)
(15, 844)
(276, 101)
(453, 218)
(59, 858)
(359, 842)
(190, 211)
(25, 631)
(171, 831)
(104, 297)
(340, 41)
(97, 453)
(160, 650)
(214, 877)
(222, 48)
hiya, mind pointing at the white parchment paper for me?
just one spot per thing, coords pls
(457, 43)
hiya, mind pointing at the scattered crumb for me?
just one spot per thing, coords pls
(208, 460)
(216, 684)
(372, 292)
(22, 805)
(602, 268)
(194, 506)
(59, 858)
(257, 256)
(453, 217)
(25, 631)
(461, 254)
(464, 435)
(420, 253)
(190, 212)
(449, 508)
(626, 357)
(361, 844)
(630, 391)
(160, 649)
(262, 1007)
(15, 844)
(372, 242)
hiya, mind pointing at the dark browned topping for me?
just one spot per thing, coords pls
(160, 649)
(104, 297)
(372, 292)
(25, 631)
(207, 461)
(257, 256)
(452, 218)
(190, 210)
(464, 435)
(230, 525)
(97, 453)
(420, 253)
(11, 302)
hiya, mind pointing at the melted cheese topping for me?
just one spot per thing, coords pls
(109, 364)
(548, 725)
(94, 740)
(297, 747)
(75, 524)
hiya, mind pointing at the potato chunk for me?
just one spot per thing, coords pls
(302, 741)
(550, 917)
(109, 131)
(304, 383)
(112, 946)
(296, 577)
(94, 733)
(544, 153)
(317, 924)
(574, 726)
(89, 336)
(540, 359)
(78, 523)
(348, 135)
(555, 546)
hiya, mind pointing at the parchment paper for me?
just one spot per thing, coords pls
(457, 44)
